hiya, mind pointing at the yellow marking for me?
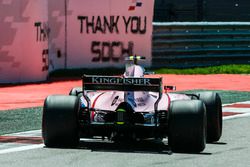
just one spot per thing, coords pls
(136, 57)
(121, 110)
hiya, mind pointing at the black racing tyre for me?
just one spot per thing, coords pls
(187, 126)
(75, 91)
(59, 122)
(212, 101)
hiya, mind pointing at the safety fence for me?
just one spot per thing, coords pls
(194, 44)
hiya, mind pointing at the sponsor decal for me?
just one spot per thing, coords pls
(128, 81)
(135, 4)
(115, 100)
(82, 100)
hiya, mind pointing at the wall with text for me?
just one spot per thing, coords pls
(39, 36)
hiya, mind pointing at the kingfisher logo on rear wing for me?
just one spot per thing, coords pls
(115, 80)
(122, 84)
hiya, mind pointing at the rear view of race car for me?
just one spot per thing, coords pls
(132, 107)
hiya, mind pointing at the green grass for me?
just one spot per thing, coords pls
(20, 120)
(223, 69)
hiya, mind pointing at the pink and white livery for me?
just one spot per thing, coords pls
(132, 107)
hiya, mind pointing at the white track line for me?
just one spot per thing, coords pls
(245, 111)
(22, 148)
(32, 133)
(229, 104)
(245, 102)
(236, 116)
(236, 110)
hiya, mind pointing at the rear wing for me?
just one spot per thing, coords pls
(92, 82)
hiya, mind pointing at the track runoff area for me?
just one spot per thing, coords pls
(28, 140)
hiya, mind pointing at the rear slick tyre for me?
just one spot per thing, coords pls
(212, 101)
(59, 122)
(187, 126)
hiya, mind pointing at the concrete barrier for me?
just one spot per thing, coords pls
(39, 36)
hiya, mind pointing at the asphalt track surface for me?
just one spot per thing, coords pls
(232, 150)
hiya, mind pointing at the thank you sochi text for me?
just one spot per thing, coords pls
(112, 50)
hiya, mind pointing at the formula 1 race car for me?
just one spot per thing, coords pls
(132, 106)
